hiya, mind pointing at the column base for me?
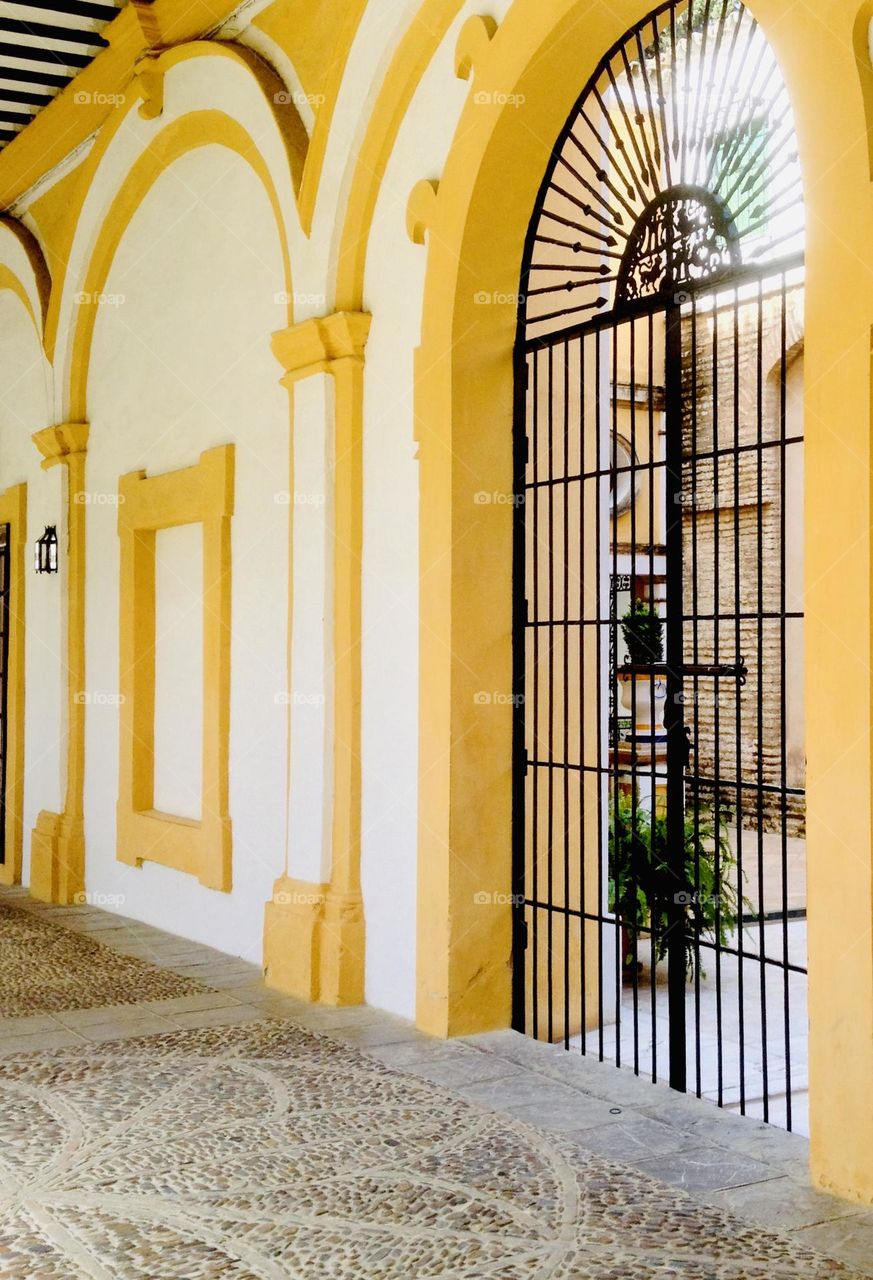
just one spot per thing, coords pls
(57, 859)
(292, 937)
(314, 943)
(342, 949)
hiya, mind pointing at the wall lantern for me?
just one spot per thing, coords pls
(45, 556)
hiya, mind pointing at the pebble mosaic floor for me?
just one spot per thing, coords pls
(267, 1150)
(46, 968)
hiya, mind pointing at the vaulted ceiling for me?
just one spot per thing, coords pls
(43, 44)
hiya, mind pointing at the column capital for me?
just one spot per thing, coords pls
(319, 344)
(62, 442)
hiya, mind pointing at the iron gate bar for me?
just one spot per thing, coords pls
(673, 718)
(704, 455)
(720, 671)
(783, 679)
(760, 700)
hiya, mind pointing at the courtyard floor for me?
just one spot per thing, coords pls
(165, 1115)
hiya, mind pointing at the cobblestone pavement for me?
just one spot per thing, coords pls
(255, 1136)
(47, 968)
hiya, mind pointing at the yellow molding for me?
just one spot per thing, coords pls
(13, 512)
(473, 41)
(312, 346)
(293, 920)
(37, 263)
(202, 494)
(58, 839)
(315, 947)
(421, 209)
(57, 444)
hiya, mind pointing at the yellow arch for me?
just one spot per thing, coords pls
(411, 59)
(9, 279)
(536, 65)
(209, 127)
(199, 129)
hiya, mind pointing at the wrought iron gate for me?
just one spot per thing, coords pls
(659, 767)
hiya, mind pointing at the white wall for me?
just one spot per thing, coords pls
(182, 363)
(179, 671)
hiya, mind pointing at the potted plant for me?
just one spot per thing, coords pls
(643, 692)
(643, 888)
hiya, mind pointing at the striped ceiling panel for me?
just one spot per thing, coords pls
(43, 44)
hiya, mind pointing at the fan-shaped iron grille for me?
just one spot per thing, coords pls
(677, 167)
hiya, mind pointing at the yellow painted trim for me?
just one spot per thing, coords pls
(10, 281)
(313, 346)
(58, 444)
(202, 494)
(314, 946)
(13, 512)
(324, 116)
(409, 63)
(421, 209)
(473, 41)
(39, 271)
(58, 840)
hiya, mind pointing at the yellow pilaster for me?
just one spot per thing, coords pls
(58, 839)
(13, 513)
(314, 935)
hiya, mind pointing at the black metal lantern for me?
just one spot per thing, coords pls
(45, 556)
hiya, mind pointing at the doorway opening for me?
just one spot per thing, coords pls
(659, 762)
